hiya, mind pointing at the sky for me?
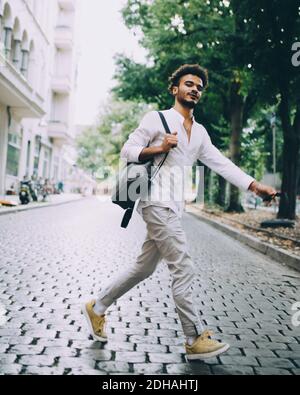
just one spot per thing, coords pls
(101, 34)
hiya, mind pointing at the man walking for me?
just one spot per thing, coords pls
(162, 212)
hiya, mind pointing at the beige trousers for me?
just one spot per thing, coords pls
(165, 240)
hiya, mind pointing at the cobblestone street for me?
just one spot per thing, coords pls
(52, 260)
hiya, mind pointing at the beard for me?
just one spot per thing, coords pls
(185, 103)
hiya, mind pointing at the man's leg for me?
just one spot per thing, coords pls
(144, 266)
(165, 229)
(94, 311)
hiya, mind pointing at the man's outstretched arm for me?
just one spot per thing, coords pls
(215, 160)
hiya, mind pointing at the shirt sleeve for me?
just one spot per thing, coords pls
(215, 160)
(139, 139)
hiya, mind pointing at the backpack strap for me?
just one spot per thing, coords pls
(164, 122)
(126, 218)
(167, 129)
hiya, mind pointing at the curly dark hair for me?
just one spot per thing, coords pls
(185, 69)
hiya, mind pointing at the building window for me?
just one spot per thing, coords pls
(55, 168)
(7, 41)
(46, 164)
(13, 154)
(37, 151)
(28, 157)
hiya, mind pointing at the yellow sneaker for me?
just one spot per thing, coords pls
(204, 347)
(96, 323)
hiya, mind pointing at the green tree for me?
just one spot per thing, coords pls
(100, 145)
(254, 155)
(90, 150)
(177, 32)
(270, 28)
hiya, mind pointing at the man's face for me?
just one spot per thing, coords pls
(189, 91)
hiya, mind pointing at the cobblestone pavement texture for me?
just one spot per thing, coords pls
(53, 260)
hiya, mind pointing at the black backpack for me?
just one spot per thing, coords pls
(134, 182)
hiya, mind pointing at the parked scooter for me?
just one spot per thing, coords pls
(24, 193)
(27, 191)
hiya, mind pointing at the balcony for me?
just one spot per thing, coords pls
(17, 93)
(63, 37)
(59, 130)
(61, 85)
(68, 5)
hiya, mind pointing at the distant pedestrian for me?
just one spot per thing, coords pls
(60, 187)
(165, 236)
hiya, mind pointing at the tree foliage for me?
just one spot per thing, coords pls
(271, 28)
(99, 146)
(204, 32)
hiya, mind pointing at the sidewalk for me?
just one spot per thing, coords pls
(52, 200)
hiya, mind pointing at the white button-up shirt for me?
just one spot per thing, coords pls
(167, 187)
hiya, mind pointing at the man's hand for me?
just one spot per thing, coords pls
(266, 192)
(170, 141)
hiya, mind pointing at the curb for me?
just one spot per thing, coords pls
(19, 209)
(276, 253)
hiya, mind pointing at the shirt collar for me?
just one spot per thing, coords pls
(180, 116)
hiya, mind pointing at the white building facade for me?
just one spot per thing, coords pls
(38, 70)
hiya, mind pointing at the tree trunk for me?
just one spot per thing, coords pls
(291, 144)
(221, 195)
(236, 120)
(207, 172)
